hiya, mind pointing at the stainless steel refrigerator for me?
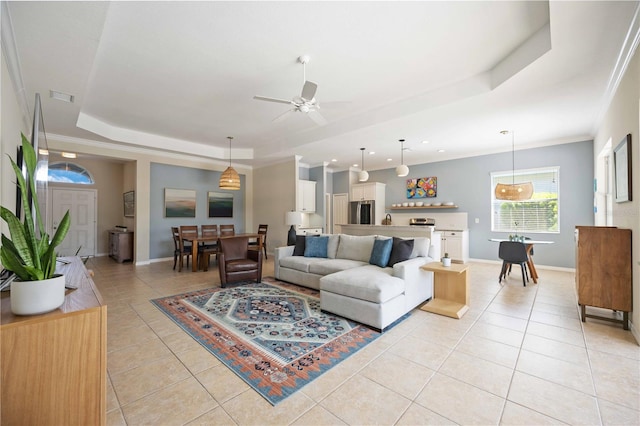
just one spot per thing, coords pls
(362, 212)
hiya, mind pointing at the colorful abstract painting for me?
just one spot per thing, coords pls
(426, 187)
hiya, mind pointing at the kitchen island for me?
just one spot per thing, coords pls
(403, 231)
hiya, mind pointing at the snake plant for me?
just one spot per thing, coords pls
(31, 257)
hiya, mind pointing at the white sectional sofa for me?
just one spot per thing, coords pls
(352, 287)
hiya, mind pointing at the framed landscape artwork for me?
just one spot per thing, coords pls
(425, 187)
(622, 165)
(220, 204)
(179, 202)
(129, 203)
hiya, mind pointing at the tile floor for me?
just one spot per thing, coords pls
(519, 356)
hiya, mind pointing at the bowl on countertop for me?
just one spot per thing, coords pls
(412, 204)
(436, 204)
(419, 204)
(405, 204)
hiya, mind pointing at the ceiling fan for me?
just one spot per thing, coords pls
(305, 103)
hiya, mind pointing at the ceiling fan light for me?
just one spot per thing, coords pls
(402, 170)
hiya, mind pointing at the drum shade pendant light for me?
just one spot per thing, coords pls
(513, 191)
(402, 170)
(230, 178)
(363, 176)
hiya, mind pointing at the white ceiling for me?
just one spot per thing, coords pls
(181, 76)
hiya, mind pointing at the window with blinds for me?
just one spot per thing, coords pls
(539, 214)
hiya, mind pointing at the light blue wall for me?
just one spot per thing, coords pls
(202, 181)
(467, 182)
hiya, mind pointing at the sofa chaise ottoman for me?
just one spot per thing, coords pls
(355, 280)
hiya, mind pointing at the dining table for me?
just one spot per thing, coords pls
(195, 242)
(529, 246)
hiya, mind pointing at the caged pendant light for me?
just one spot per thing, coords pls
(363, 176)
(513, 191)
(230, 178)
(402, 170)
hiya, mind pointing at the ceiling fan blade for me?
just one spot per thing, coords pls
(317, 117)
(280, 101)
(309, 90)
(283, 116)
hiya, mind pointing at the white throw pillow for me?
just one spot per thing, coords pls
(355, 247)
(420, 247)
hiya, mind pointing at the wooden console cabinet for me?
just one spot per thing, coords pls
(121, 245)
(54, 365)
(603, 270)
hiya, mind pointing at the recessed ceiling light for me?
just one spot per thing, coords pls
(355, 164)
(43, 151)
(441, 150)
(389, 159)
(69, 154)
(64, 97)
(333, 160)
(371, 152)
(425, 141)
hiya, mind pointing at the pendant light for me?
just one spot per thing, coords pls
(402, 170)
(363, 176)
(513, 191)
(230, 178)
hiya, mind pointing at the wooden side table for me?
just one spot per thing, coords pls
(450, 289)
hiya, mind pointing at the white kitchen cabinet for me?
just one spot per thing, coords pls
(456, 243)
(368, 191)
(306, 198)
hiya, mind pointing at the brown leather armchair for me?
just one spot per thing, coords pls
(237, 263)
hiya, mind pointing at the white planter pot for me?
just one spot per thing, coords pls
(446, 261)
(37, 297)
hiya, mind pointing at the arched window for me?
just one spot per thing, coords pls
(69, 173)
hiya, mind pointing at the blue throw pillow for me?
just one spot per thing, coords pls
(400, 251)
(381, 252)
(316, 246)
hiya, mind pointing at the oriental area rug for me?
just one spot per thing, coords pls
(271, 334)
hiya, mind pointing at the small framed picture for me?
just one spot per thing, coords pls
(622, 167)
(129, 203)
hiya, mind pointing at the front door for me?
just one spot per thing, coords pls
(82, 210)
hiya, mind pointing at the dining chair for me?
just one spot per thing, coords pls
(226, 230)
(254, 245)
(210, 247)
(178, 248)
(513, 252)
(187, 231)
(237, 263)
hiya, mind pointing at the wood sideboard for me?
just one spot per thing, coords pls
(603, 270)
(54, 365)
